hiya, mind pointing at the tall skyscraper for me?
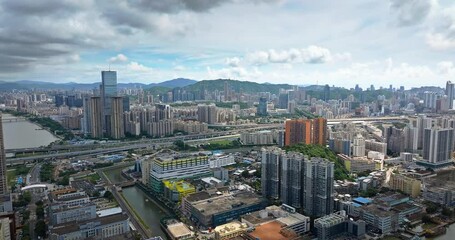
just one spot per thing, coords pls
(318, 187)
(422, 123)
(283, 100)
(262, 107)
(320, 131)
(117, 128)
(86, 120)
(326, 92)
(450, 93)
(3, 185)
(291, 179)
(298, 131)
(305, 184)
(438, 145)
(271, 171)
(108, 91)
(96, 117)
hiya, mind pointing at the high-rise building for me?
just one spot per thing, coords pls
(163, 112)
(271, 171)
(450, 93)
(207, 113)
(117, 127)
(3, 185)
(358, 146)
(326, 92)
(430, 99)
(422, 123)
(108, 91)
(320, 131)
(438, 145)
(96, 117)
(86, 120)
(283, 100)
(318, 177)
(298, 181)
(298, 131)
(262, 107)
(411, 136)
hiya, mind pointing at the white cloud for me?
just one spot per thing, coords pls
(137, 67)
(179, 68)
(120, 58)
(311, 55)
(446, 68)
(233, 62)
(239, 73)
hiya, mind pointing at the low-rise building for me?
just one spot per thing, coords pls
(230, 230)
(98, 228)
(336, 224)
(408, 185)
(209, 209)
(174, 191)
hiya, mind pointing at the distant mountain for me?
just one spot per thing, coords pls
(178, 82)
(236, 85)
(27, 84)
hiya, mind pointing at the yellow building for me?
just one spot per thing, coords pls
(229, 230)
(405, 184)
(176, 190)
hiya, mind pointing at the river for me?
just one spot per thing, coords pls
(149, 212)
(450, 234)
(24, 134)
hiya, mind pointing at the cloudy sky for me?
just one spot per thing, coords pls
(341, 43)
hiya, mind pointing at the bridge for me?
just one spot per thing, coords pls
(16, 119)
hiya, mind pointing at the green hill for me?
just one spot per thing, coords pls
(237, 86)
(340, 173)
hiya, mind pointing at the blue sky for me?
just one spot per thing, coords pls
(341, 43)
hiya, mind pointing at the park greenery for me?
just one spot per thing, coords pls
(47, 172)
(311, 150)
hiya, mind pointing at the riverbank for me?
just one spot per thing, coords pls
(47, 123)
(22, 133)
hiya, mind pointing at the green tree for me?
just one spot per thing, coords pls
(245, 174)
(40, 228)
(40, 212)
(108, 195)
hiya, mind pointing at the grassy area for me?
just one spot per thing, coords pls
(93, 178)
(11, 176)
(221, 142)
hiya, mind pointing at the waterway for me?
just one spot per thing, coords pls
(24, 134)
(450, 234)
(147, 210)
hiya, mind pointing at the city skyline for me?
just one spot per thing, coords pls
(394, 42)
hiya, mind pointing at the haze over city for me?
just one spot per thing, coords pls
(341, 43)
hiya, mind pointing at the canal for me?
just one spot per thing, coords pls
(148, 211)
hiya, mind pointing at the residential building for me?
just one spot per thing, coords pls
(358, 146)
(450, 93)
(298, 131)
(320, 131)
(438, 145)
(318, 177)
(408, 185)
(207, 113)
(96, 117)
(117, 127)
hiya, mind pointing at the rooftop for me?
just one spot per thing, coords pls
(227, 202)
(362, 200)
(179, 229)
(271, 231)
(73, 226)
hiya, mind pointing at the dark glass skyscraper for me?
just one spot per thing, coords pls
(262, 107)
(108, 90)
